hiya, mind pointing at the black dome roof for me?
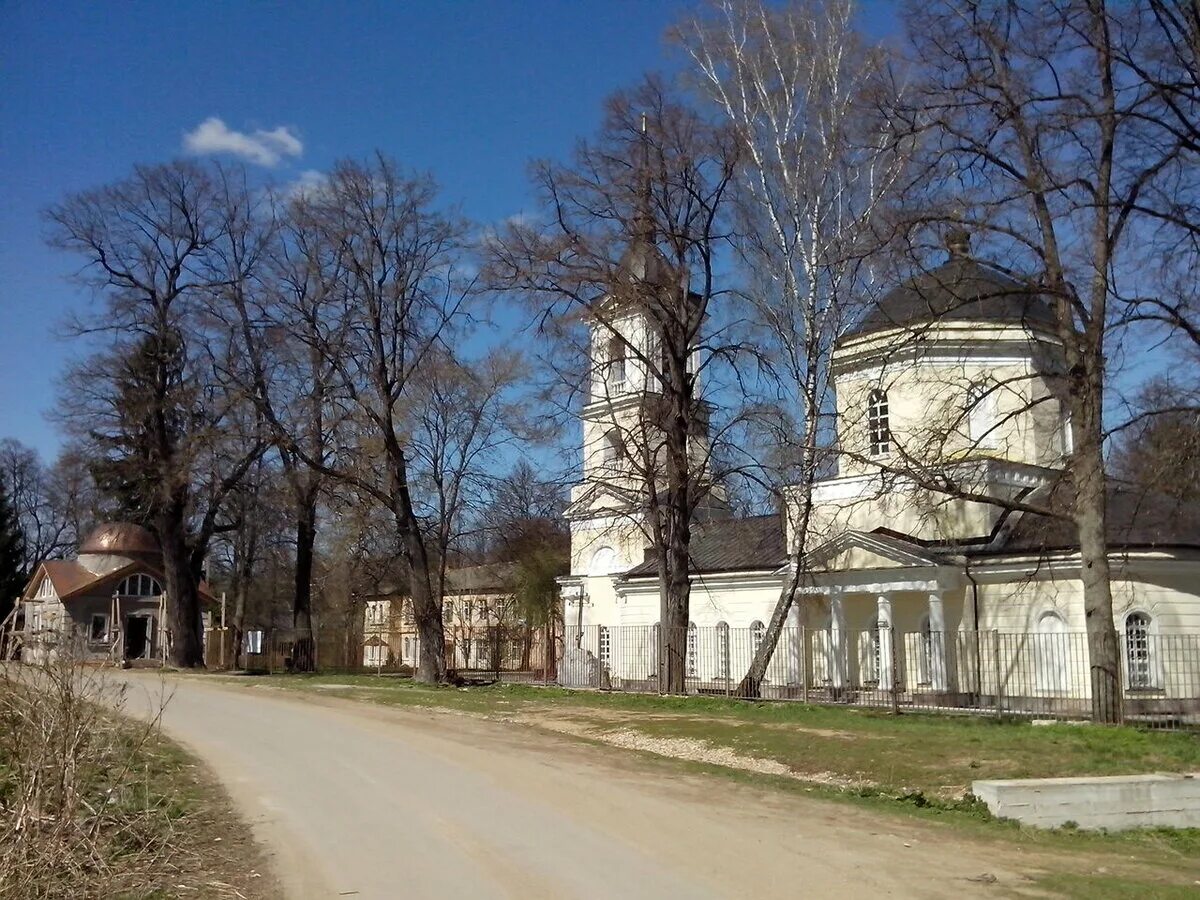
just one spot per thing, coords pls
(960, 289)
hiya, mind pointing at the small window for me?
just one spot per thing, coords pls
(1139, 652)
(616, 363)
(722, 648)
(468, 611)
(481, 651)
(46, 588)
(99, 628)
(407, 612)
(447, 610)
(877, 423)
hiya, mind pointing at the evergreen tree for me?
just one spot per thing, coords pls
(12, 553)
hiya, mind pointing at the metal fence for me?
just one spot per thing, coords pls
(516, 655)
(1033, 675)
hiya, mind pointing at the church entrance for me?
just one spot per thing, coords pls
(137, 637)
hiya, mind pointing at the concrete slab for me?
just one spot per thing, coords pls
(1115, 803)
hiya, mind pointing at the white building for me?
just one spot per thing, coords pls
(911, 591)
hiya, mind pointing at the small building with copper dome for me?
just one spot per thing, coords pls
(106, 603)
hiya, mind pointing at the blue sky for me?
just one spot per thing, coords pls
(469, 90)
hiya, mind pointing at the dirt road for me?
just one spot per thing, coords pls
(355, 800)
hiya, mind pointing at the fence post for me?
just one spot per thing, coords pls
(996, 668)
(725, 639)
(895, 670)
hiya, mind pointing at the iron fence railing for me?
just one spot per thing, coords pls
(1033, 675)
(1036, 675)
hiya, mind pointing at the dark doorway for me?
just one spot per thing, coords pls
(137, 637)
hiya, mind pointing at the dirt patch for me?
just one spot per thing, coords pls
(819, 732)
(689, 749)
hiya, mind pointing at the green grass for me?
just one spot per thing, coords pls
(936, 755)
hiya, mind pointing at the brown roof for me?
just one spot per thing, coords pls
(71, 580)
(730, 545)
(67, 576)
(120, 538)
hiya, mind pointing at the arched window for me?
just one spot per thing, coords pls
(139, 586)
(604, 561)
(605, 647)
(722, 648)
(616, 363)
(1051, 653)
(981, 414)
(1139, 652)
(757, 632)
(693, 651)
(877, 423)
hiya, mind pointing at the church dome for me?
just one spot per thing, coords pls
(119, 538)
(961, 289)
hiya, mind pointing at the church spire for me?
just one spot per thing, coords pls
(643, 219)
(642, 261)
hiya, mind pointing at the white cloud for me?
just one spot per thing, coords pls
(309, 183)
(264, 148)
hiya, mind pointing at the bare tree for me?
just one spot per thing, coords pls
(41, 506)
(166, 429)
(462, 413)
(392, 290)
(634, 228)
(1039, 140)
(801, 92)
(278, 318)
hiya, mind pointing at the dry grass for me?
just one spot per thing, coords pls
(95, 805)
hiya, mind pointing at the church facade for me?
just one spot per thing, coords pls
(908, 589)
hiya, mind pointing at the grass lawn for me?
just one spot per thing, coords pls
(920, 765)
(937, 756)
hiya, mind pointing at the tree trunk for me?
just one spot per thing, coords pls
(183, 595)
(427, 613)
(303, 656)
(1090, 495)
(751, 684)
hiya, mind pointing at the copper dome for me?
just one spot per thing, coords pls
(121, 538)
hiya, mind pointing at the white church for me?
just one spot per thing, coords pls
(910, 593)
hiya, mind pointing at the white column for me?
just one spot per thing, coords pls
(884, 604)
(792, 634)
(937, 642)
(837, 638)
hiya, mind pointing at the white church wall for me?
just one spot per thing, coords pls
(928, 386)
